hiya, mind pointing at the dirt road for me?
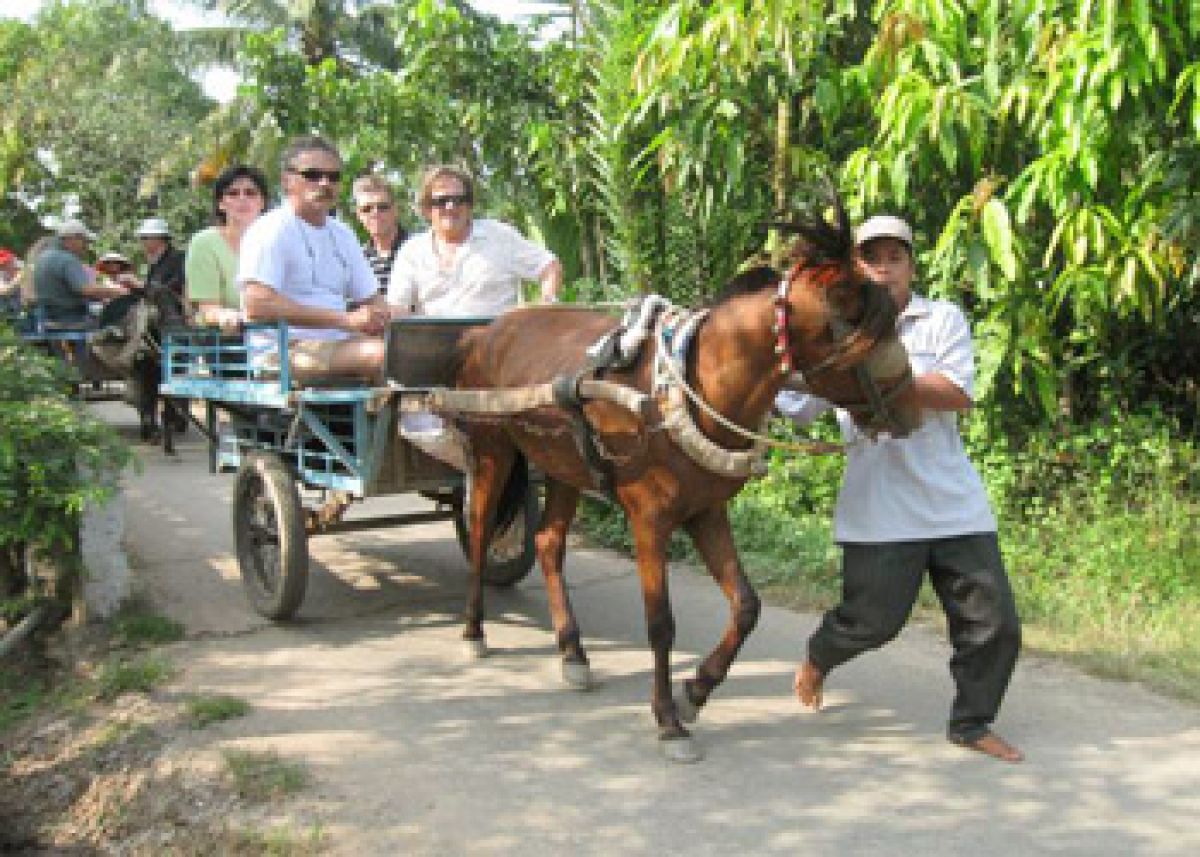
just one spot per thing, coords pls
(414, 750)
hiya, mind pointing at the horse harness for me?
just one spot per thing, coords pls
(673, 329)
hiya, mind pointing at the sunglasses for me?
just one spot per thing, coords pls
(371, 207)
(242, 191)
(314, 175)
(451, 199)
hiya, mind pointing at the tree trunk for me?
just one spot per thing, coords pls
(780, 174)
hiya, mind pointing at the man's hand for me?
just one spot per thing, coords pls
(370, 319)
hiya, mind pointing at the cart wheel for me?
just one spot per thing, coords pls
(510, 556)
(268, 526)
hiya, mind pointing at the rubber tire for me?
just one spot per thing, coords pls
(506, 572)
(264, 478)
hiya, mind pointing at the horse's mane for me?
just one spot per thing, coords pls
(747, 282)
(818, 243)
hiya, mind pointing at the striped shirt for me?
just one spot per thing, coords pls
(381, 264)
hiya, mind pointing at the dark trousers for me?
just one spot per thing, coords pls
(880, 583)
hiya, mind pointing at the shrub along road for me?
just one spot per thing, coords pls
(411, 749)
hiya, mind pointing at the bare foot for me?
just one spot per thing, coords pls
(809, 680)
(993, 745)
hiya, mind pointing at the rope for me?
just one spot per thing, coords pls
(810, 447)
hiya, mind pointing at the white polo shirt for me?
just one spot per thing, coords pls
(922, 486)
(488, 270)
(316, 266)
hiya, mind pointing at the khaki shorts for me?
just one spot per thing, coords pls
(306, 357)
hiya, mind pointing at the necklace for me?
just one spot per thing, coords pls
(340, 288)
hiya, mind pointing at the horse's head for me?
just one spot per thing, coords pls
(837, 329)
(166, 308)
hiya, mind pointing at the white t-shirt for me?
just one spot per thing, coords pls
(922, 486)
(315, 266)
(488, 269)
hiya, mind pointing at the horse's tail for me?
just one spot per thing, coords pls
(512, 498)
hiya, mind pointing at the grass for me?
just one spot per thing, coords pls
(22, 693)
(277, 842)
(138, 675)
(262, 775)
(203, 711)
(119, 732)
(134, 629)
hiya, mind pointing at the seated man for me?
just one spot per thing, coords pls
(299, 265)
(62, 284)
(463, 266)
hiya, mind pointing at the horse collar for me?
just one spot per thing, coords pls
(779, 326)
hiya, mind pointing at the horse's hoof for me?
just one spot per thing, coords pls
(683, 750)
(576, 675)
(475, 650)
(687, 710)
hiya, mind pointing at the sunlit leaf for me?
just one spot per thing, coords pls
(997, 232)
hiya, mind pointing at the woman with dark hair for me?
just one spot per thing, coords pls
(239, 196)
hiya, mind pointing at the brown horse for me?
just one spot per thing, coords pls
(823, 318)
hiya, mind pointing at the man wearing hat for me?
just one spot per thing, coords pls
(915, 505)
(62, 285)
(165, 261)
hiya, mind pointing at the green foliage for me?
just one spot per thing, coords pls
(100, 95)
(54, 456)
(1039, 134)
(203, 711)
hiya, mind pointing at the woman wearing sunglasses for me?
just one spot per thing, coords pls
(239, 196)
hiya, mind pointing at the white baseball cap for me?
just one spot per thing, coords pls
(72, 227)
(883, 226)
(154, 227)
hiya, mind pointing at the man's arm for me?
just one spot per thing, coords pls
(263, 303)
(551, 279)
(89, 286)
(98, 291)
(174, 271)
(933, 391)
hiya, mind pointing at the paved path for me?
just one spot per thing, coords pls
(415, 751)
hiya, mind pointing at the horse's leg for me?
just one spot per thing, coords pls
(650, 542)
(168, 421)
(147, 396)
(491, 463)
(148, 425)
(551, 540)
(713, 537)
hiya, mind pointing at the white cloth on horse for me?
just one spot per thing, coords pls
(117, 352)
(434, 436)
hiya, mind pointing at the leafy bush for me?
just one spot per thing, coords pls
(54, 456)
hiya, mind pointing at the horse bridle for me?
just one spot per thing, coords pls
(875, 401)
